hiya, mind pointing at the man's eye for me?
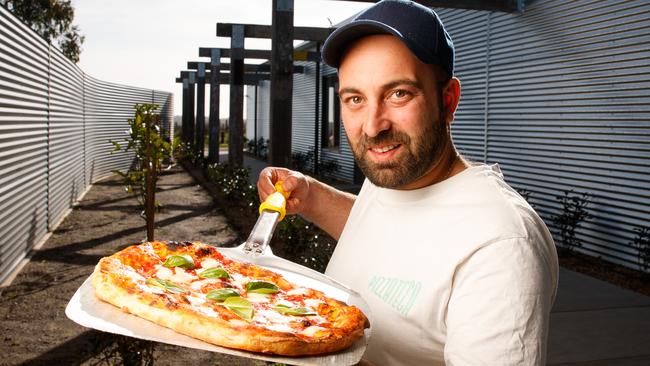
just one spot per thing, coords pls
(354, 100)
(400, 93)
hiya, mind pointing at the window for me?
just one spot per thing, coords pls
(331, 113)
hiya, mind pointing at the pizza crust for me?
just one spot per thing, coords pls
(113, 285)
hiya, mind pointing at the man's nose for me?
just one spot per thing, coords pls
(376, 119)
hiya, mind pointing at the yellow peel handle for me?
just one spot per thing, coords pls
(277, 201)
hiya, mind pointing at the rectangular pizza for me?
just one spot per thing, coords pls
(196, 290)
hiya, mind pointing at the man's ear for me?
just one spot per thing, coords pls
(450, 98)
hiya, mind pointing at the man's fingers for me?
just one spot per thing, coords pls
(293, 204)
(265, 182)
(290, 183)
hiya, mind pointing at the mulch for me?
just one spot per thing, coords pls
(619, 275)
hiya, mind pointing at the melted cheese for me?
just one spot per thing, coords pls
(286, 303)
(182, 276)
(300, 291)
(313, 303)
(208, 311)
(198, 285)
(138, 279)
(258, 298)
(280, 328)
(311, 331)
(269, 317)
(239, 280)
(196, 299)
(209, 263)
(163, 273)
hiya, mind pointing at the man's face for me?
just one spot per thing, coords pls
(391, 110)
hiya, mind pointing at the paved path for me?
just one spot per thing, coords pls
(596, 323)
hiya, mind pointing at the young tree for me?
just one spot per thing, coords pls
(52, 19)
(151, 152)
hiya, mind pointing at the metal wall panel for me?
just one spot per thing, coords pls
(263, 109)
(66, 137)
(165, 101)
(568, 91)
(249, 96)
(343, 154)
(55, 127)
(257, 111)
(303, 112)
(469, 30)
(23, 140)
(108, 107)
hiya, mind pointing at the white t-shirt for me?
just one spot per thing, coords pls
(462, 272)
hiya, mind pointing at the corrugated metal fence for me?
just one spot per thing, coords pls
(55, 127)
(559, 96)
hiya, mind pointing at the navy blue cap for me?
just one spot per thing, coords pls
(417, 26)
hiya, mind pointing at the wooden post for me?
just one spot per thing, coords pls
(186, 111)
(317, 116)
(213, 142)
(281, 83)
(257, 144)
(149, 180)
(236, 120)
(190, 108)
(199, 139)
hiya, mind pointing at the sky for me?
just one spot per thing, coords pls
(146, 43)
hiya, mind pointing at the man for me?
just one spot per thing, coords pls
(457, 268)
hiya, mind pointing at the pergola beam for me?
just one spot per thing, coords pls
(264, 31)
(225, 53)
(506, 6)
(261, 54)
(224, 78)
(249, 68)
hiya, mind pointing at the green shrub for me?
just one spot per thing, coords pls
(574, 212)
(642, 244)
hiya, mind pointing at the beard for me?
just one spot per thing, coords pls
(420, 154)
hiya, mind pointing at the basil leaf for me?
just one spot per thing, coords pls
(184, 261)
(239, 306)
(262, 287)
(222, 294)
(165, 285)
(285, 310)
(214, 273)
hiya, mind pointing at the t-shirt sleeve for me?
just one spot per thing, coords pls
(499, 308)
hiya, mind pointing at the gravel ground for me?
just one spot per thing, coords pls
(34, 329)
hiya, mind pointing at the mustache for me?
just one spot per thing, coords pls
(384, 137)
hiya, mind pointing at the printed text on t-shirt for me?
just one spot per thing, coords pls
(399, 294)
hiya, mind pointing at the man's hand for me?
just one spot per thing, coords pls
(292, 181)
(317, 202)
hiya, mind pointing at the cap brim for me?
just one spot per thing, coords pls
(338, 41)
